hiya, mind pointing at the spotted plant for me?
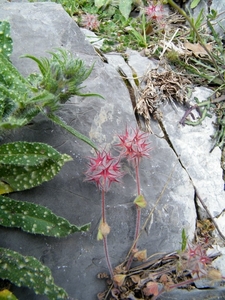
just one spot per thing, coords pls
(5, 39)
(35, 218)
(21, 99)
(24, 165)
(28, 271)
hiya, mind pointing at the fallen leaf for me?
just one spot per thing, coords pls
(197, 49)
(135, 278)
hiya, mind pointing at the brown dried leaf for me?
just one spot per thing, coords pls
(135, 279)
(101, 295)
(102, 275)
(214, 275)
(197, 49)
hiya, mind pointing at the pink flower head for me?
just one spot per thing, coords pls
(90, 21)
(134, 145)
(155, 12)
(103, 170)
(197, 259)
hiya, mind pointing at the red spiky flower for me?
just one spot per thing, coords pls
(134, 145)
(103, 170)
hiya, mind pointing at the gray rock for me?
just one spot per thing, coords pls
(76, 260)
(92, 38)
(218, 6)
(193, 145)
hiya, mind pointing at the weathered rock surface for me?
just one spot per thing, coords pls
(207, 7)
(76, 260)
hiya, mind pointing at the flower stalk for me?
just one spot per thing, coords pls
(103, 170)
(134, 146)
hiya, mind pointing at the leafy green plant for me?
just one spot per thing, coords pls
(197, 23)
(24, 165)
(194, 4)
(22, 99)
(124, 6)
(28, 271)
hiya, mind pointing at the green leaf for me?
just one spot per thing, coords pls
(194, 3)
(10, 76)
(5, 39)
(35, 219)
(5, 188)
(184, 240)
(28, 271)
(24, 165)
(125, 7)
(76, 133)
(7, 295)
(100, 3)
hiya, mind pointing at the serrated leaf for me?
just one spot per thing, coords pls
(125, 7)
(194, 3)
(28, 271)
(24, 165)
(35, 219)
(5, 39)
(7, 295)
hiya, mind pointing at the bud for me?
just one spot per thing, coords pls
(104, 228)
(141, 255)
(119, 279)
(140, 201)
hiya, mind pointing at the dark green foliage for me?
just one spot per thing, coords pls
(35, 219)
(62, 75)
(28, 271)
(25, 165)
(5, 39)
(22, 99)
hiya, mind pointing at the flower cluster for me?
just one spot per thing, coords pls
(155, 11)
(197, 259)
(134, 145)
(90, 22)
(103, 170)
